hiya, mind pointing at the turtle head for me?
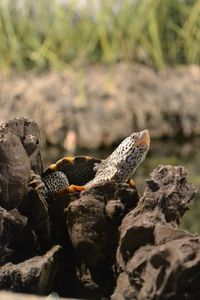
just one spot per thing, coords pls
(141, 138)
(130, 153)
(123, 162)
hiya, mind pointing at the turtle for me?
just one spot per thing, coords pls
(74, 174)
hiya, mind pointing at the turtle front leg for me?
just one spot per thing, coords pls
(36, 209)
(36, 183)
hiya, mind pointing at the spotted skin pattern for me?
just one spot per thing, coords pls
(123, 162)
(55, 182)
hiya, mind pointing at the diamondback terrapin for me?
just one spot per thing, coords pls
(82, 172)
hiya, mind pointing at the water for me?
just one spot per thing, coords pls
(185, 153)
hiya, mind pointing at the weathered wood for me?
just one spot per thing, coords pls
(157, 259)
(34, 275)
(19, 296)
(93, 220)
(19, 153)
(78, 244)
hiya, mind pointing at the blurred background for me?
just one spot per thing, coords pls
(91, 72)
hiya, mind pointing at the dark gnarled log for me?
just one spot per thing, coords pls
(19, 153)
(35, 275)
(157, 259)
(103, 231)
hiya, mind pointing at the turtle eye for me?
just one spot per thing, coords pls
(135, 136)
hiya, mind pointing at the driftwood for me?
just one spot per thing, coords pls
(34, 275)
(102, 242)
(158, 260)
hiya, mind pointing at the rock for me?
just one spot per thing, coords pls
(35, 275)
(35, 222)
(35, 207)
(12, 296)
(104, 231)
(124, 289)
(15, 170)
(157, 258)
(17, 241)
(19, 153)
(93, 220)
(29, 134)
(87, 228)
(108, 108)
(167, 196)
(168, 271)
(20, 143)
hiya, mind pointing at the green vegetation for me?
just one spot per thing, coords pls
(45, 34)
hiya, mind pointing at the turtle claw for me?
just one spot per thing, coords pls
(34, 178)
(40, 187)
(36, 182)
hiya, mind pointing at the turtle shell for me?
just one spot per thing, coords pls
(79, 169)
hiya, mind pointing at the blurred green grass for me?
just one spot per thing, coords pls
(43, 35)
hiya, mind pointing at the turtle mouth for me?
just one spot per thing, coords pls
(144, 138)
